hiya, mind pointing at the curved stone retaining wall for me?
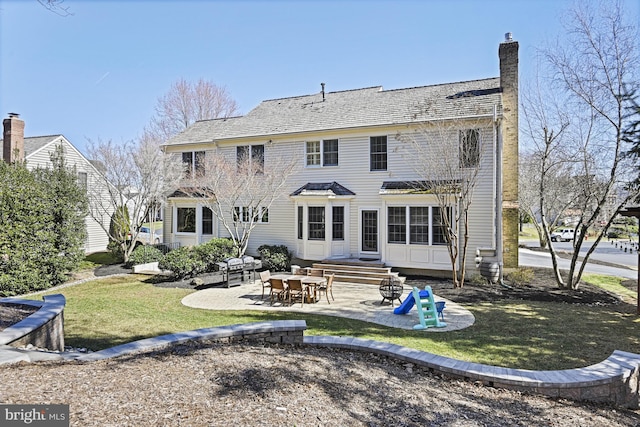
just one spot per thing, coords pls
(614, 380)
(43, 329)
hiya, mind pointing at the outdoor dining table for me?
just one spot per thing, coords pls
(311, 283)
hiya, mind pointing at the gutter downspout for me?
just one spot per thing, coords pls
(498, 190)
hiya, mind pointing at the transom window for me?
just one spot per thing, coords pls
(193, 162)
(323, 152)
(378, 153)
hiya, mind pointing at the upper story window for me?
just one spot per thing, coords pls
(313, 153)
(251, 157)
(378, 153)
(194, 163)
(323, 152)
(469, 148)
(82, 180)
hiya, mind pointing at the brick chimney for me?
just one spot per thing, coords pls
(13, 139)
(508, 54)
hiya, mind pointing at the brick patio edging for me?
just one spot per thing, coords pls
(614, 380)
(276, 332)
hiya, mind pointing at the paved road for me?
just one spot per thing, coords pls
(627, 267)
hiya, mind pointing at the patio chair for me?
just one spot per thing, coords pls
(265, 278)
(327, 287)
(296, 290)
(278, 290)
(316, 272)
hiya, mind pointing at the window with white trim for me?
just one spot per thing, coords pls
(338, 223)
(324, 152)
(250, 156)
(378, 153)
(469, 148)
(193, 162)
(419, 225)
(396, 224)
(316, 222)
(300, 222)
(186, 220)
(244, 214)
(439, 226)
(207, 220)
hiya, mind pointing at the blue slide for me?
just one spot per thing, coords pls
(409, 302)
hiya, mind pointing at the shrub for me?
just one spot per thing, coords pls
(182, 262)
(275, 257)
(144, 254)
(118, 231)
(215, 250)
(520, 276)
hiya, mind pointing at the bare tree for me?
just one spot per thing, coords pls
(447, 155)
(56, 7)
(241, 189)
(186, 103)
(544, 184)
(594, 66)
(135, 176)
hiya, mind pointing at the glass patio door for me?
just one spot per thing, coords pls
(369, 223)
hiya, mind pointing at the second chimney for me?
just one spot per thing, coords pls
(13, 139)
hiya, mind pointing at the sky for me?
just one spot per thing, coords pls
(97, 74)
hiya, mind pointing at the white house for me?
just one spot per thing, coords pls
(36, 151)
(352, 198)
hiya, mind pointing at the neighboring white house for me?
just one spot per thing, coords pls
(37, 153)
(352, 194)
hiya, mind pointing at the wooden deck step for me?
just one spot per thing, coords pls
(366, 274)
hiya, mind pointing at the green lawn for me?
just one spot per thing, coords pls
(532, 335)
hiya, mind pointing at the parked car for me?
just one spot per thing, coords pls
(563, 235)
(145, 237)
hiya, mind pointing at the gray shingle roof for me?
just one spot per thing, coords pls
(324, 188)
(351, 109)
(34, 143)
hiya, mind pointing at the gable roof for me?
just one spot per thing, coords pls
(35, 143)
(365, 107)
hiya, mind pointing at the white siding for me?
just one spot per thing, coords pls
(97, 238)
(353, 172)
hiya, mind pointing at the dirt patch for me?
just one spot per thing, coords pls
(10, 314)
(542, 287)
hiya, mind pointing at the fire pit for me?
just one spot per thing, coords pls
(391, 288)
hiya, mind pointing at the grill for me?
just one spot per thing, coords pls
(236, 271)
